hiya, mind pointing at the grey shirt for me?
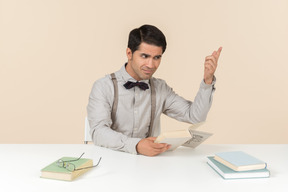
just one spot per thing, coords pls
(134, 110)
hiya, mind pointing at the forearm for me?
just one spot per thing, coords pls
(104, 136)
(187, 111)
(202, 102)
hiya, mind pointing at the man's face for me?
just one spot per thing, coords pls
(143, 63)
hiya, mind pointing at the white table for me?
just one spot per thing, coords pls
(184, 169)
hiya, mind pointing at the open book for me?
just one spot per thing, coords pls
(188, 137)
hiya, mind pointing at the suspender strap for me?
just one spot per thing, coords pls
(115, 102)
(153, 106)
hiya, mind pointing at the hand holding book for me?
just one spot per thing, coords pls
(188, 137)
(148, 147)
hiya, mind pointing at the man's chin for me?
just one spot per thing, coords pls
(146, 77)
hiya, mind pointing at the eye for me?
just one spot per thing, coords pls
(144, 56)
(157, 57)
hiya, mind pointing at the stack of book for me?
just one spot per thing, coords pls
(238, 165)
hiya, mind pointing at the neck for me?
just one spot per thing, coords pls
(130, 71)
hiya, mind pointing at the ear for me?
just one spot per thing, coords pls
(129, 53)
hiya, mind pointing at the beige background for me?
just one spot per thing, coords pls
(52, 51)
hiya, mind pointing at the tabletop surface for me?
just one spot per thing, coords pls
(182, 169)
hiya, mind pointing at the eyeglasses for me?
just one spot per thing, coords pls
(71, 167)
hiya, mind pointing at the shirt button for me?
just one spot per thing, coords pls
(135, 112)
(135, 129)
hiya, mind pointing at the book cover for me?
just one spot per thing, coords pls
(227, 173)
(53, 171)
(239, 161)
(174, 138)
(188, 137)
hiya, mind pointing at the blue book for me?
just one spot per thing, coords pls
(227, 173)
(239, 161)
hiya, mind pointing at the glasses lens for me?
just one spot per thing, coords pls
(60, 163)
(70, 167)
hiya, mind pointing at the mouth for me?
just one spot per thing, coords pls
(148, 72)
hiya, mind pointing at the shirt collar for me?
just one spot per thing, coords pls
(126, 77)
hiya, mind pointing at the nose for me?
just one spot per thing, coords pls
(150, 63)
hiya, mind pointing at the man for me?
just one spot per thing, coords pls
(136, 122)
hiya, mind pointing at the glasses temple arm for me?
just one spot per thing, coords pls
(89, 166)
(75, 159)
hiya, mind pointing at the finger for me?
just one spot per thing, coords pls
(218, 52)
(209, 63)
(159, 145)
(211, 57)
(155, 151)
(158, 151)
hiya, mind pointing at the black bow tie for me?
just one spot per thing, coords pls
(141, 85)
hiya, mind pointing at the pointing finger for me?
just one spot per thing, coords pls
(218, 52)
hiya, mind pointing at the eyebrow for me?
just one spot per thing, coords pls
(150, 55)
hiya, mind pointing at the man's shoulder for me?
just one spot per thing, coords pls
(158, 80)
(160, 83)
(105, 79)
(103, 82)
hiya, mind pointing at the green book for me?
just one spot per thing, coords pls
(53, 171)
(227, 173)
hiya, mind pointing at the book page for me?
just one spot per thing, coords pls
(198, 137)
(174, 138)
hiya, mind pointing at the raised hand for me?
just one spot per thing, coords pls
(210, 65)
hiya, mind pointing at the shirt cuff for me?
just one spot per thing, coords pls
(205, 86)
(131, 145)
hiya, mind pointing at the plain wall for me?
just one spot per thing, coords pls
(52, 51)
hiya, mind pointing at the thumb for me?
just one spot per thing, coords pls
(151, 138)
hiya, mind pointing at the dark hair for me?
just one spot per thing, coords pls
(148, 34)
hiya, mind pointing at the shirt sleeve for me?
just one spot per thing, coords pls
(99, 116)
(187, 111)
